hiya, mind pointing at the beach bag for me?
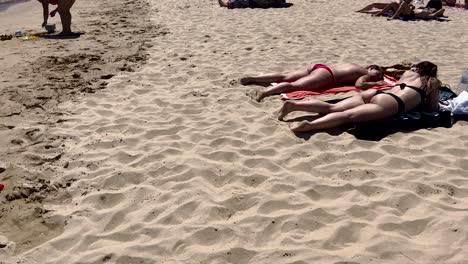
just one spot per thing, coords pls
(460, 104)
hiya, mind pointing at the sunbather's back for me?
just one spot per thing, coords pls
(347, 73)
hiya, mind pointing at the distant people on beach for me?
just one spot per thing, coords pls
(417, 88)
(453, 3)
(63, 8)
(318, 76)
(252, 3)
(404, 9)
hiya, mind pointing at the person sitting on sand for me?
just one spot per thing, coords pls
(317, 77)
(252, 3)
(418, 87)
(63, 9)
(406, 10)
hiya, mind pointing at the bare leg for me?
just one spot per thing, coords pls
(424, 14)
(438, 13)
(223, 3)
(392, 7)
(318, 79)
(380, 108)
(64, 7)
(372, 6)
(320, 107)
(275, 77)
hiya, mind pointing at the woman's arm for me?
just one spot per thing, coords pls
(433, 96)
(364, 83)
(45, 10)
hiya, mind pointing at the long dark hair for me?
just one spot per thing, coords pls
(428, 72)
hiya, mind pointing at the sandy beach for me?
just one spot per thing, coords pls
(136, 143)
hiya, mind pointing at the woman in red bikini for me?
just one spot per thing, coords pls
(317, 77)
(63, 8)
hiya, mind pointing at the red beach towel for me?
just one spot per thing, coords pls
(302, 94)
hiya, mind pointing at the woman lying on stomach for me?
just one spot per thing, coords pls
(418, 87)
(317, 77)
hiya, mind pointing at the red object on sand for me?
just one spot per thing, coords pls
(1, 187)
(53, 2)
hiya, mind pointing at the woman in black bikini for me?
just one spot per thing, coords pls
(418, 87)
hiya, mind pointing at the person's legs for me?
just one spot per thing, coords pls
(362, 113)
(424, 14)
(64, 7)
(380, 107)
(392, 7)
(373, 6)
(438, 13)
(223, 3)
(275, 77)
(318, 79)
(320, 107)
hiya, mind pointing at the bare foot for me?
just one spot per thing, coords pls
(245, 80)
(303, 126)
(260, 95)
(285, 110)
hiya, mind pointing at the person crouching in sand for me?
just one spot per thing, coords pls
(417, 88)
(63, 9)
(318, 77)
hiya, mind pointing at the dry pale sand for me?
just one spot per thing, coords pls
(175, 163)
(35, 77)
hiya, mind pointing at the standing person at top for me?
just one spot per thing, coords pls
(63, 9)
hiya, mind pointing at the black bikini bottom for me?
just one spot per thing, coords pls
(401, 104)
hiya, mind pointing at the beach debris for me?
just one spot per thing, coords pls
(18, 32)
(3, 241)
(6, 37)
(107, 76)
(2, 167)
(1, 186)
(26, 38)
